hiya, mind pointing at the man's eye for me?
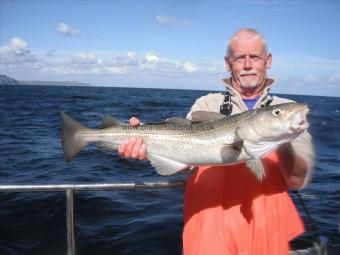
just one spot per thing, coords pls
(239, 59)
(255, 58)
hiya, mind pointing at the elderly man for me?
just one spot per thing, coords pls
(226, 209)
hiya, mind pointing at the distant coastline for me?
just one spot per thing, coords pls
(6, 80)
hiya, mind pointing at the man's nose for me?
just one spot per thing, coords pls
(247, 65)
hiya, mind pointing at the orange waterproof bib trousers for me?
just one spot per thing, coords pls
(228, 211)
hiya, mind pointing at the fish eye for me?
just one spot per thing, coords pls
(276, 112)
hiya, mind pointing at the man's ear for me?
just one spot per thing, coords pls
(227, 64)
(269, 61)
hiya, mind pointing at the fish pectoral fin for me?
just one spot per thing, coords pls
(257, 167)
(109, 121)
(229, 152)
(258, 150)
(166, 166)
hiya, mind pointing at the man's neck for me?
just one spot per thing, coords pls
(250, 93)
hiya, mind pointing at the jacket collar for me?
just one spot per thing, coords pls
(236, 97)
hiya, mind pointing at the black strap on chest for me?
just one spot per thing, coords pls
(226, 107)
(267, 101)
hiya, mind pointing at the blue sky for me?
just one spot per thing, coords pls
(168, 44)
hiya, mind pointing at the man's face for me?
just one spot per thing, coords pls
(248, 62)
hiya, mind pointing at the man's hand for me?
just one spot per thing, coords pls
(293, 168)
(134, 147)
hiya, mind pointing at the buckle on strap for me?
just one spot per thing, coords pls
(226, 107)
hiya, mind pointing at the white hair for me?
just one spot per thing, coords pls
(252, 33)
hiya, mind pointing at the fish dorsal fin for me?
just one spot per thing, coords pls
(178, 121)
(109, 121)
(166, 166)
(204, 116)
(257, 168)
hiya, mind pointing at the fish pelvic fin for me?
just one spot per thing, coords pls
(109, 121)
(71, 142)
(257, 168)
(166, 166)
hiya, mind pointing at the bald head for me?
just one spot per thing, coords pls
(245, 34)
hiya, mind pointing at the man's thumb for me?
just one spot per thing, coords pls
(134, 121)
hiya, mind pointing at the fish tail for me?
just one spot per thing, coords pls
(71, 141)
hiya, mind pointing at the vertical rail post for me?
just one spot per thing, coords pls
(71, 249)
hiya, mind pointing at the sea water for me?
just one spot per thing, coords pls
(124, 221)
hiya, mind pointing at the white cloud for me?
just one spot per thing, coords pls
(61, 69)
(170, 20)
(16, 52)
(160, 19)
(155, 64)
(310, 64)
(125, 64)
(50, 53)
(116, 70)
(189, 67)
(129, 64)
(151, 58)
(96, 70)
(131, 55)
(64, 29)
(307, 74)
(299, 86)
(86, 58)
(311, 78)
(335, 77)
(125, 59)
(19, 61)
(17, 44)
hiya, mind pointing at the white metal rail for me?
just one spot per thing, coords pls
(69, 189)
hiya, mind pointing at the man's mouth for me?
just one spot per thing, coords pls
(247, 74)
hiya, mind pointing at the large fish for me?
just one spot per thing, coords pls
(177, 144)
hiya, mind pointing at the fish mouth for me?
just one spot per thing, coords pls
(298, 119)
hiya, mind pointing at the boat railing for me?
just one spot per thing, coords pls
(69, 190)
